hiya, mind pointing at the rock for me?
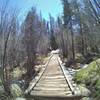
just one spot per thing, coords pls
(84, 91)
(86, 98)
(1, 88)
(55, 51)
(84, 66)
(19, 98)
(1, 91)
(16, 90)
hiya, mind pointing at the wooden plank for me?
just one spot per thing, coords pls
(56, 97)
(51, 89)
(52, 85)
(53, 77)
(52, 82)
(52, 93)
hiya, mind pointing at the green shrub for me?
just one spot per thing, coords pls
(98, 84)
(18, 72)
(85, 74)
(90, 76)
(16, 90)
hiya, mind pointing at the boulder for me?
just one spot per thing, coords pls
(19, 98)
(86, 98)
(16, 90)
(1, 91)
(84, 91)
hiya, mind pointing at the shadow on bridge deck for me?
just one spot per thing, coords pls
(77, 97)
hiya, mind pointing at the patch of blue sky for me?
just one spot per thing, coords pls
(46, 7)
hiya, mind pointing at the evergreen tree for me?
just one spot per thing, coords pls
(53, 42)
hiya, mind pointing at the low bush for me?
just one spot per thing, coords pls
(90, 76)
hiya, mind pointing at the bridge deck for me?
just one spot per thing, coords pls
(52, 83)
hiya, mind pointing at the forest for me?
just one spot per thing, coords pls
(26, 45)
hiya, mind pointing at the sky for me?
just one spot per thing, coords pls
(53, 7)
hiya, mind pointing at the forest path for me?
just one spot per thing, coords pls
(53, 83)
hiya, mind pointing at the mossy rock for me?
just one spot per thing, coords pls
(2, 93)
(90, 76)
(16, 90)
(19, 98)
(97, 90)
(88, 73)
(98, 84)
(1, 90)
(86, 98)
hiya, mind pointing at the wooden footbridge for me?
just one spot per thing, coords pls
(53, 83)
